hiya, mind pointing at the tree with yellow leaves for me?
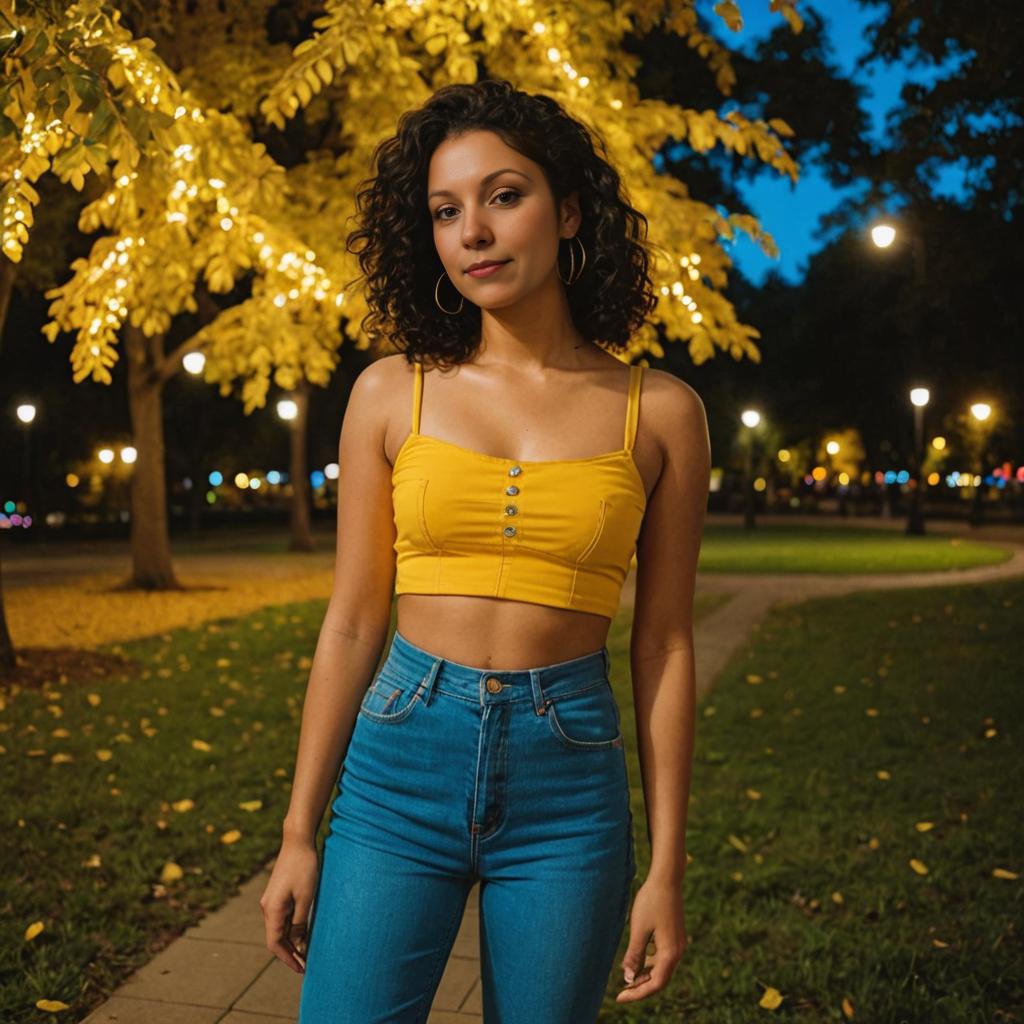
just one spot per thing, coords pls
(194, 207)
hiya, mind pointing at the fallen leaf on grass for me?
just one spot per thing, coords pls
(1003, 873)
(771, 1000)
(33, 930)
(919, 866)
(171, 872)
(51, 1005)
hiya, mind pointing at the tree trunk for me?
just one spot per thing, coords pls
(301, 526)
(150, 539)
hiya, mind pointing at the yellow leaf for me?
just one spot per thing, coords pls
(231, 837)
(771, 1000)
(94, 699)
(104, 755)
(883, 774)
(754, 679)
(837, 897)
(919, 866)
(924, 826)
(839, 688)
(251, 805)
(939, 944)
(1003, 873)
(754, 794)
(33, 930)
(183, 805)
(93, 862)
(51, 1005)
(61, 758)
(738, 843)
(847, 1009)
(223, 663)
(873, 843)
(171, 873)
(871, 712)
(201, 745)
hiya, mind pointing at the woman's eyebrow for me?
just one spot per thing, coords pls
(483, 181)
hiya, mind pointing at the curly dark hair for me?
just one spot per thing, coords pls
(614, 293)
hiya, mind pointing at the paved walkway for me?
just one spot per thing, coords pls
(220, 972)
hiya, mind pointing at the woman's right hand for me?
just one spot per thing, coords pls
(286, 902)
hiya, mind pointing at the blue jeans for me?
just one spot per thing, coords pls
(456, 774)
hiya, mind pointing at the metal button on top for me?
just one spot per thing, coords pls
(494, 685)
(511, 489)
(509, 531)
(515, 471)
(511, 510)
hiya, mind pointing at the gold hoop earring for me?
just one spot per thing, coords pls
(450, 312)
(573, 276)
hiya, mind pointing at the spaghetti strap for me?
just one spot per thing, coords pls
(417, 396)
(633, 406)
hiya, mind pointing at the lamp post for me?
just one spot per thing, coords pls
(981, 411)
(294, 411)
(750, 419)
(915, 517)
(26, 413)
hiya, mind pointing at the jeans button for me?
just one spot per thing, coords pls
(494, 685)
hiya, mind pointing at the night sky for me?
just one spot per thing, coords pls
(790, 213)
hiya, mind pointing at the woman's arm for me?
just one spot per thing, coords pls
(664, 684)
(661, 649)
(356, 624)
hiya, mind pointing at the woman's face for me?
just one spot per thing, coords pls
(480, 215)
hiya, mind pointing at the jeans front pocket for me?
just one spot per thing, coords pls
(587, 719)
(391, 698)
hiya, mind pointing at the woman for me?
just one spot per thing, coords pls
(498, 474)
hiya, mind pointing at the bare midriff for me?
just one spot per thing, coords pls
(495, 633)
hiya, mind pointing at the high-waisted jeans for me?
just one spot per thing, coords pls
(456, 774)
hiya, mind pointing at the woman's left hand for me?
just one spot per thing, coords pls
(658, 915)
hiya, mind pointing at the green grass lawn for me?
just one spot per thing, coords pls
(852, 737)
(838, 550)
(96, 772)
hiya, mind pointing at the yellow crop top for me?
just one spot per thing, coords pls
(556, 532)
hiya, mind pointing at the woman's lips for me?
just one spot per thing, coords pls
(487, 271)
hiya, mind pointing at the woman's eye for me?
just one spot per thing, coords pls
(504, 192)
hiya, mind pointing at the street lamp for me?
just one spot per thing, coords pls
(750, 419)
(981, 411)
(915, 517)
(26, 413)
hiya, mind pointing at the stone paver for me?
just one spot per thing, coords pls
(219, 972)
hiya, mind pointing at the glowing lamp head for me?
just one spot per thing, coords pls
(981, 410)
(883, 235)
(750, 417)
(919, 396)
